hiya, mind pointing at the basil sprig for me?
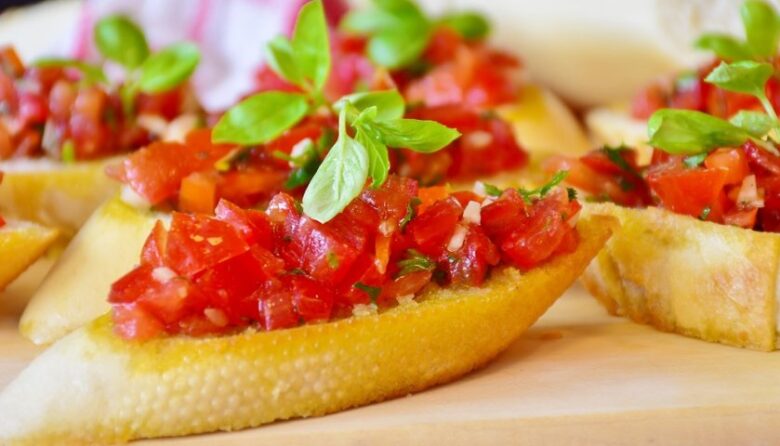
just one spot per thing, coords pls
(369, 122)
(305, 60)
(331, 189)
(120, 40)
(762, 31)
(399, 31)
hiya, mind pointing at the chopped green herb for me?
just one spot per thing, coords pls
(68, 152)
(333, 260)
(493, 191)
(614, 154)
(572, 193)
(540, 192)
(694, 160)
(372, 291)
(414, 262)
(411, 210)
(705, 213)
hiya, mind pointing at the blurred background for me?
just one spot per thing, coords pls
(589, 51)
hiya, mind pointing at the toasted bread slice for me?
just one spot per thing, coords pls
(544, 125)
(54, 194)
(74, 291)
(709, 281)
(21, 244)
(94, 387)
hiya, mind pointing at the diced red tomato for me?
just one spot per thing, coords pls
(697, 192)
(254, 226)
(197, 242)
(732, 161)
(154, 251)
(313, 302)
(432, 229)
(133, 322)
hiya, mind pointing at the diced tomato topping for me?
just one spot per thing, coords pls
(733, 161)
(197, 242)
(155, 172)
(52, 108)
(697, 192)
(432, 229)
(134, 322)
(154, 250)
(279, 268)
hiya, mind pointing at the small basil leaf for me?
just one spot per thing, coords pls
(755, 123)
(281, 59)
(119, 39)
(688, 132)
(91, 73)
(470, 25)
(168, 68)
(398, 48)
(340, 178)
(744, 76)
(260, 118)
(311, 43)
(378, 158)
(413, 134)
(389, 103)
(762, 28)
(724, 46)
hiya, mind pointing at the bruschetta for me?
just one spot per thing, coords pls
(194, 175)
(63, 120)
(698, 254)
(249, 317)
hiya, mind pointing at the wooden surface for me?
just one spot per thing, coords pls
(578, 377)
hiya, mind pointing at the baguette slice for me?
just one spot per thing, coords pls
(54, 194)
(74, 291)
(679, 274)
(93, 387)
(21, 244)
(544, 125)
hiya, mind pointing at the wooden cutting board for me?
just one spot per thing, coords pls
(578, 377)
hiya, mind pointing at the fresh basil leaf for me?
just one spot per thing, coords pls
(744, 76)
(378, 158)
(724, 46)
(762, 27)
(470, 25)
(168, 68)
(119, 39)
(688, 132)
(340, 178)
(91, 73)
(398, 48)
(413, 134)
(694, 160)
(281, 58)
(260, 118)
(311, 43)
(389, 103)
(756, 123)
